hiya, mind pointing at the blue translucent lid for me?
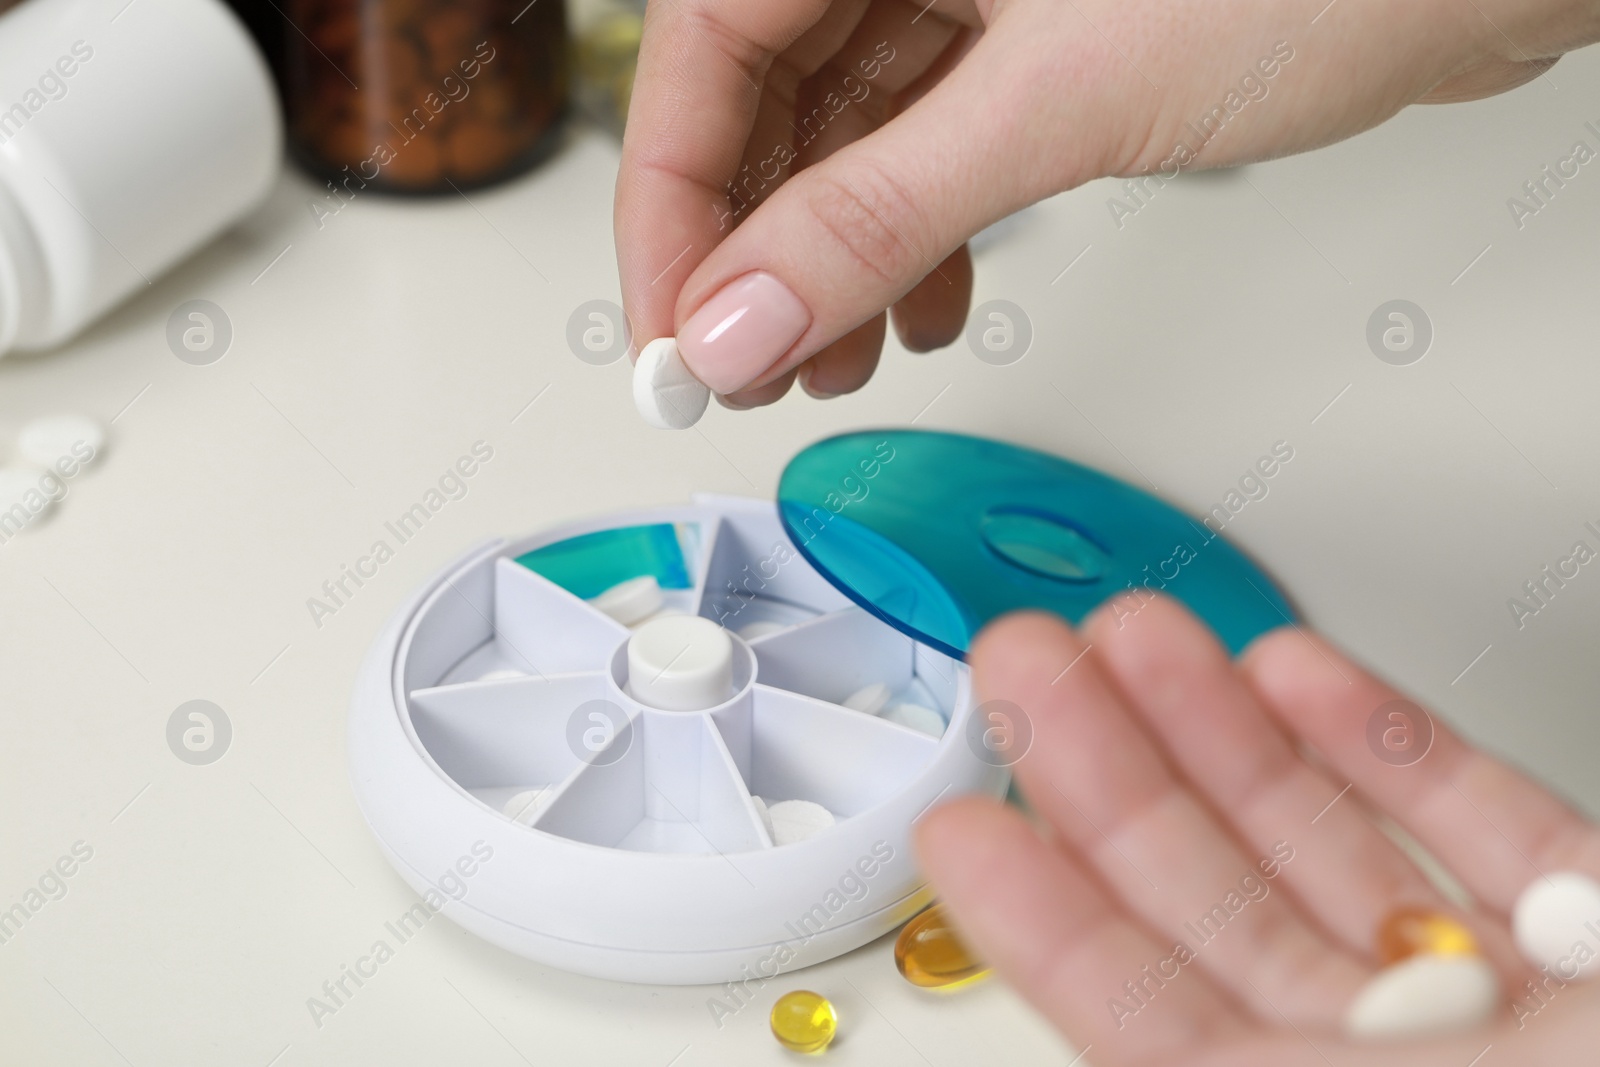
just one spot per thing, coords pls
(938, 533)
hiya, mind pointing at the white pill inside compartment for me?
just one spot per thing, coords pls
(632, 601)
(869, 699)
(525, 806)
(917, 717)
(793, 821)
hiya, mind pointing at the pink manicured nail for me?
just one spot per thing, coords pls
(742, 330)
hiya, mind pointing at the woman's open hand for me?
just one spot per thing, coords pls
(1176, 805)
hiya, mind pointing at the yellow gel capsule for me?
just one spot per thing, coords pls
(929, 955)
(1408, 932)
(804, 1021)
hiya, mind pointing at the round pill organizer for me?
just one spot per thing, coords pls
(647, 854)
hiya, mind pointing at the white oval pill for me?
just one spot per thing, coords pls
(869, 699)
(667, 394)
(760, 629)
(917, 717)
(500, 675)
(1424, 996)
(76, 438)
(525, 806)
(1556, 922)
(23, 499)
(797, 820)
(631, 601)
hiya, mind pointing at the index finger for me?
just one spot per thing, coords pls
(702, 64)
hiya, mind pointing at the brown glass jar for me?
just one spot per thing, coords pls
(423, 96)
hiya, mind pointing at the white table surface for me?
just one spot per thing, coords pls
(1224, 317)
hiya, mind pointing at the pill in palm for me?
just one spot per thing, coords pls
(631, 601)
(1424, 996)
(869, 699)
(929, 954)
(1408, 932)
(916, 717)
(803, 1021)
(666, 392)
(1556, 923)
(797, 820)
(71, 440)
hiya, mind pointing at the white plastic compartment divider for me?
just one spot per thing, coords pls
(751, 557)
(456, 617)
(548, 629)
(508, 732)
(602, 802)
(666, 783)
(833, 655)
(847, 761)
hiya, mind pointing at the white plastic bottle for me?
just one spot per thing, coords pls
(131, 131)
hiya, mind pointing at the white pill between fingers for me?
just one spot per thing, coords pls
(74, 439)
(23, 497)
(500, 675)
(766, 816)
(667, 394)
(525, 806)
(869, 699)
(919, 718)
(760, 629)
(631, 601)
(1424, 996)
(797, 820)
(1556, 923)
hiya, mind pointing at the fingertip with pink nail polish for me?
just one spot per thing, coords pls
(744, 329)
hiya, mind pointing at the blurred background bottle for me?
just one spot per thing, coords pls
(129, 137)
(423, 96)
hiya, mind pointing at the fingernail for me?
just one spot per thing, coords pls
(742, 331)
(804, 377)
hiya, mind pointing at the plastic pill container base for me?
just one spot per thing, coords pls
(647, 858)
(126, 141)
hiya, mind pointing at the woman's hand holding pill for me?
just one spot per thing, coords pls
(793, 168)
(1199, 891)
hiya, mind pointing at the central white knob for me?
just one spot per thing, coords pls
(680, 663)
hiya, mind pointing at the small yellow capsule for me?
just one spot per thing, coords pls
(1408, 932)
(929, 954)
(804, 1021)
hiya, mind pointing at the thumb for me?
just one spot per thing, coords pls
(848, 237)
